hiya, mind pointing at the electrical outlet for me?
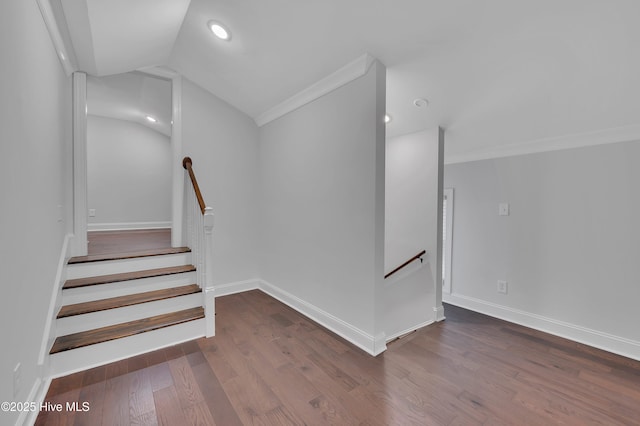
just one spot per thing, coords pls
(92, 212)
(502, 287)
(17, 373)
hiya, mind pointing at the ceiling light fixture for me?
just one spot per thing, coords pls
(151, 119)
(387, 118)
(219, 30)
(420, 102)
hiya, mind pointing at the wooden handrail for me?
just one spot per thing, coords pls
(187, 163)
(416, 257)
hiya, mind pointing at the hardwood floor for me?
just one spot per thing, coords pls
(269, 365)
(106, 242)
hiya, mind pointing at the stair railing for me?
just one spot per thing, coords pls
(199, 234)
(416, 257)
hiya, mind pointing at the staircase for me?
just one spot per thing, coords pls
(117, 306)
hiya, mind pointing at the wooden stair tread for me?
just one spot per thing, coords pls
(127, 255)
(131, 328)
(128, 300)
(126, 276)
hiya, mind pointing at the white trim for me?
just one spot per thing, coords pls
(64, 50)
(607, 342)
(160, 72)
(359, 338)
(80, 203)
(447, 249)
(121, 226)
(344, 75)
(409, 330)
(177, 171)
(209, 298)
(236, 287)
(49, 327)
(379, 344)
(598, 137)
(37, 394)
(438, 313)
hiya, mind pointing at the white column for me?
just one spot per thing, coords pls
(80, 219)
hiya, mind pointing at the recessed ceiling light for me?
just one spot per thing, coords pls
(219, 30)
(387, 118)
(151, 119)
(420, 103)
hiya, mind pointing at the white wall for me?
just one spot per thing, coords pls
(34, 152)
(223, 144)
(321, 214)
(569, 249)
(128, 174)
(412, 224)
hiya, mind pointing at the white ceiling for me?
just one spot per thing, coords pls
(115, 36)
(494, 71)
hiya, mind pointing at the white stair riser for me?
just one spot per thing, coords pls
(104, 291)
(99, 319)
(92, 269)
(68, 362)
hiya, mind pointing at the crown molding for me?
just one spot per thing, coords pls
(160, 72)
(600, 137)
(61, 41)
(344, 75)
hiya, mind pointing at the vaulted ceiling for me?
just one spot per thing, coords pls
(132, 96)
(494, 72)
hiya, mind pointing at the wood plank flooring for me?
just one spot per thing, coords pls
(269, 365)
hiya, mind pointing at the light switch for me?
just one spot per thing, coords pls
(503, 209)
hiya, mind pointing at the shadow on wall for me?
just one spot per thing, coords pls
(408, 299)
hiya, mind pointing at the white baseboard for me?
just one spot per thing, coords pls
(54, 302)
(438, 313)
(379, 344)
(124, 226)
(607, 342)
(373, 345)
(236, 287)
(37, 394)
(408, 330)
